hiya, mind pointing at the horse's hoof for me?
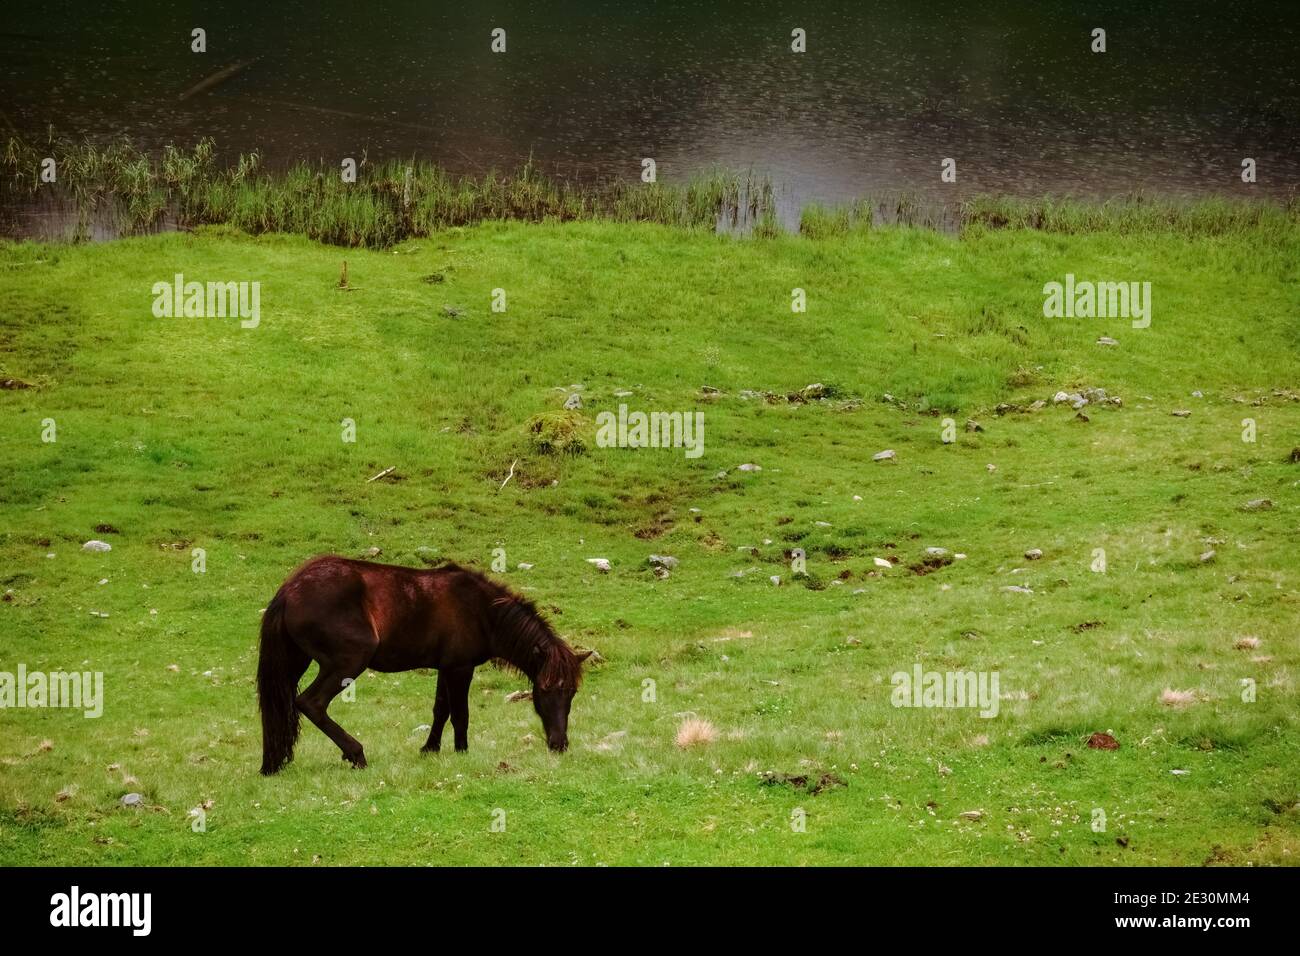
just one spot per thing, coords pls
(358, 761)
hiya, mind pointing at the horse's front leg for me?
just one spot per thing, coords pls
(458, 682)
(441, 711)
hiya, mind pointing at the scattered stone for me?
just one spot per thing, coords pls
(1246, 643)
(1033, 554)
(1208, 556)
(1180, 773)
(971, 814)
(524, 566)
(662, 560)
(959, 556)
(1101, 741)
(973, 426)
(936, 552)
(814, 391)
(886, 455)
(1107, 340)
(882, 563)
(944, 771)
(13, 383)
(517, 695)
(749, 466)
(602, 564)
(775, 579)
(1258, 504)
(852, 641)
(1017, 589)
(132, 800)
(574, 401)
(991, 467)
(1081, 417)
(1181, 413)
(374, 552)
(96, 545)
(822, 524)
(1197, 394)
(662, 573)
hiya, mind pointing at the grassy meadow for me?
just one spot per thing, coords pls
(182, 433)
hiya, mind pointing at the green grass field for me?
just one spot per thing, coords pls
(184, 433)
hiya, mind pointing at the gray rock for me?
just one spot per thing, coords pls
(602, 564)
(1181, 412)
(1259, 504)
(749, 466)
(96, 545)
(973, 426)
(813, 392)
(886, 455)
(1033, 554)
(936, 552)
(1016, 589)
(662, 560)
(775, 579)
(1107, 340)
(574, 401)
(1208, 556)
(132, 800)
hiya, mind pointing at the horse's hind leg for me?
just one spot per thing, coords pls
(441, 711)
(315, 700)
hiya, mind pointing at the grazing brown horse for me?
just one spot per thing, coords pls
(349, 615)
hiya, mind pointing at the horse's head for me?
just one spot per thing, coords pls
(553, 692)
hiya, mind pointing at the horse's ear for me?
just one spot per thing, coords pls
(581, 655)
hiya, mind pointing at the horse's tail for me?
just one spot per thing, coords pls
(277, 688)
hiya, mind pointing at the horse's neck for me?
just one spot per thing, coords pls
(516, 648)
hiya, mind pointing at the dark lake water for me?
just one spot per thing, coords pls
(885, 91)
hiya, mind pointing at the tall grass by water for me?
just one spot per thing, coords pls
(388, 202)
(120, 190)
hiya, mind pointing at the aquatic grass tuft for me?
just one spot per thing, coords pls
(390, 201)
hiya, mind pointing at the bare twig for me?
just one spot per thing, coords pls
(387, 471)
(216, 79)
(511, 475)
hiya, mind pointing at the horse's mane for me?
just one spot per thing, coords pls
(523, 635)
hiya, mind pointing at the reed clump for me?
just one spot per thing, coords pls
(389, 201)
